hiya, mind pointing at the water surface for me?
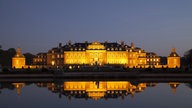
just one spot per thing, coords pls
(95, 94)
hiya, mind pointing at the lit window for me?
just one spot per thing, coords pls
(52, 63)
(53, 56)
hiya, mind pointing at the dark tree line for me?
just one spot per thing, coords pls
(6, 57)
(188, 57)
(29, 58)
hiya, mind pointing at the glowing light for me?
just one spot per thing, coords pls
(53, 63)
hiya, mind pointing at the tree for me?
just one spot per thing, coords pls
(29, 58)
(188, 57)
(6, 56)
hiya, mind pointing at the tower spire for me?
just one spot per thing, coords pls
(173, 50)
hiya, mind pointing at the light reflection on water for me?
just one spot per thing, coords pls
(95, 94)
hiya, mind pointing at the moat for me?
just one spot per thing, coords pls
(95, 93)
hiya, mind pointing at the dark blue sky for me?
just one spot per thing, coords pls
(154, 25)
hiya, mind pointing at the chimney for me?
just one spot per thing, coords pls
(60, 45)
(132, 45)
(69, 42)
(122, 43)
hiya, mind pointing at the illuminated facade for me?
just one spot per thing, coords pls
(173, 59)
(55, 56)
(18, 61)
(104, 53)
(153, 59)
(40, 59)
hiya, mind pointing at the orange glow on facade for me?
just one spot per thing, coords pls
(99, 54)
(173, 60)
(105, 53)
(18, 61)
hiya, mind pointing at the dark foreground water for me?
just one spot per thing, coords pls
(95, 94)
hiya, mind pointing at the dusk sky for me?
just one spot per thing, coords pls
(153, 25)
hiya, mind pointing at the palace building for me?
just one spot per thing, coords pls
(55, 56)
(18, 61)
(152, 59)
(173, 59)
(96, 53)
(40, 59)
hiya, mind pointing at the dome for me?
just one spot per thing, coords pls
(173, 53)
(19, 54)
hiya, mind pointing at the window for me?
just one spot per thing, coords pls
(53, 56)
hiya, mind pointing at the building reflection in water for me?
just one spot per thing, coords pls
(91, 89)
(174, 86)
(96, 89)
